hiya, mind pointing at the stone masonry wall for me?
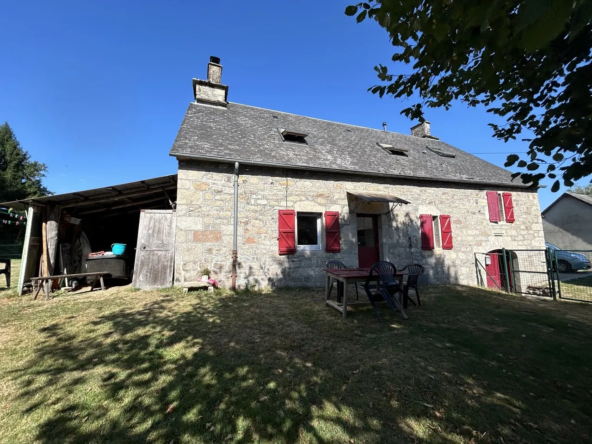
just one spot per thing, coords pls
(205, 223)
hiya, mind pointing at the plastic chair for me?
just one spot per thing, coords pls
(388, 288)
(414, 271)
(338, 264)
(6, 271)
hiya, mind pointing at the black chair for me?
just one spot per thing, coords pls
(414, 271)
(388, 288)
(338, 264)
(6, 271)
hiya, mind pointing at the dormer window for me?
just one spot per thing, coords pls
(440, 152)
(395, 151)
(291, 136)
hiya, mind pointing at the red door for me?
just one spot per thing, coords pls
(367, 241)
(494, 279)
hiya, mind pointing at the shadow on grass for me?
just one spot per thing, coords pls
(282, 367)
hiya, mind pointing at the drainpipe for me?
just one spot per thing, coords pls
(235, 229)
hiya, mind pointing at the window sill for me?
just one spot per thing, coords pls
(308, 248)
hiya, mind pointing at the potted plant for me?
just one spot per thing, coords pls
(205, 274)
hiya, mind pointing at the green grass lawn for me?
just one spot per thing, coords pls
(125, 366)
(579, 289)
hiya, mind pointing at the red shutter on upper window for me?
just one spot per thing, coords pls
(427, 231)
(508, 207)
(446, 232)
(492, 204)
(333, 241)
(287, 234)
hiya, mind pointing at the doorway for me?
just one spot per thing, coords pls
(496, 271)
(368, 252)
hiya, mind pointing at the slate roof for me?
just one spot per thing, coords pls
(582, 197)
(251, 135)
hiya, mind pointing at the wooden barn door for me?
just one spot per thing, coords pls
(155, 251)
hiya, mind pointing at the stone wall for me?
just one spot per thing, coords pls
(205, 223)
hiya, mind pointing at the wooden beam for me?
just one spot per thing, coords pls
(127, 204)
(26, 252)
(122, 196)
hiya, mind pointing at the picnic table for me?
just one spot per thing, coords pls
(45, 281)
(351, 276)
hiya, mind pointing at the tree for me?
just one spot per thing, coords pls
(587, 190)
(527, 61)
(20, 177)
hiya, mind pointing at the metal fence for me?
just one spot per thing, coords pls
(572, 274)
(557, 274)
(10, 251)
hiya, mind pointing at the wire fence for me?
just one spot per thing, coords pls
(572, 272)
(557, 274)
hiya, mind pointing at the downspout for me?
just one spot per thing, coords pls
(235, 228)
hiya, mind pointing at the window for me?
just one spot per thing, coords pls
(500, 206)
(437, 238)
(308, 231)
(291, 136)
(436, 232)
(500, 202)
(393, 150)
(440, 152)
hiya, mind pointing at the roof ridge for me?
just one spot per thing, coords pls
(329, 121)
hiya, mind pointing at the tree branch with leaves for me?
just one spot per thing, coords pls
(527, 61)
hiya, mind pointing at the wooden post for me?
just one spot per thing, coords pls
(26, 252)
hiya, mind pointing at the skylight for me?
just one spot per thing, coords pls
(291, 136)
(440, 152)
(395, 151)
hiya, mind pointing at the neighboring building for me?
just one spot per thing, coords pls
(568, 222)
(311, 190)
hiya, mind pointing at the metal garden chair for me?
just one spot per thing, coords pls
(414, 271)
(388, 287)
(338, 264)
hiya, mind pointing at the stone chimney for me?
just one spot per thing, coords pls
(422, 130)
(211, 91)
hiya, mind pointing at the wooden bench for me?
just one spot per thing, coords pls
(46, 281)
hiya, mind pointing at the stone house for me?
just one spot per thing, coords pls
(310, 190)
(567, 222)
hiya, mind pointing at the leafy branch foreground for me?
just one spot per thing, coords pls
(528, 61)
(117, 366)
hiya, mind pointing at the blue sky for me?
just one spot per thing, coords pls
(98, 90)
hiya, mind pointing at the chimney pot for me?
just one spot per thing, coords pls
(421, 130)
(214, 70)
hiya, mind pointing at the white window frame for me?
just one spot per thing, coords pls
(316, 247)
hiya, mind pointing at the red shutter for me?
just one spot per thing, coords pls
(287, 234)
(508, 207)
(446, 232)
(493, 205)
(427, 231)
(333, 241)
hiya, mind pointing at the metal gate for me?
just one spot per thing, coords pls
(572, 274)
(548, 273)
(515, 271)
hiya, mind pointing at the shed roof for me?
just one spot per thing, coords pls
(106, 198)
(252, 135)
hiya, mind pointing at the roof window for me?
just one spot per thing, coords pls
(291, 136)
(440, 152)
(393, 150)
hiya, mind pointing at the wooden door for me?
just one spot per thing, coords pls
(494, 279)
(368, 252)
(155, 251)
